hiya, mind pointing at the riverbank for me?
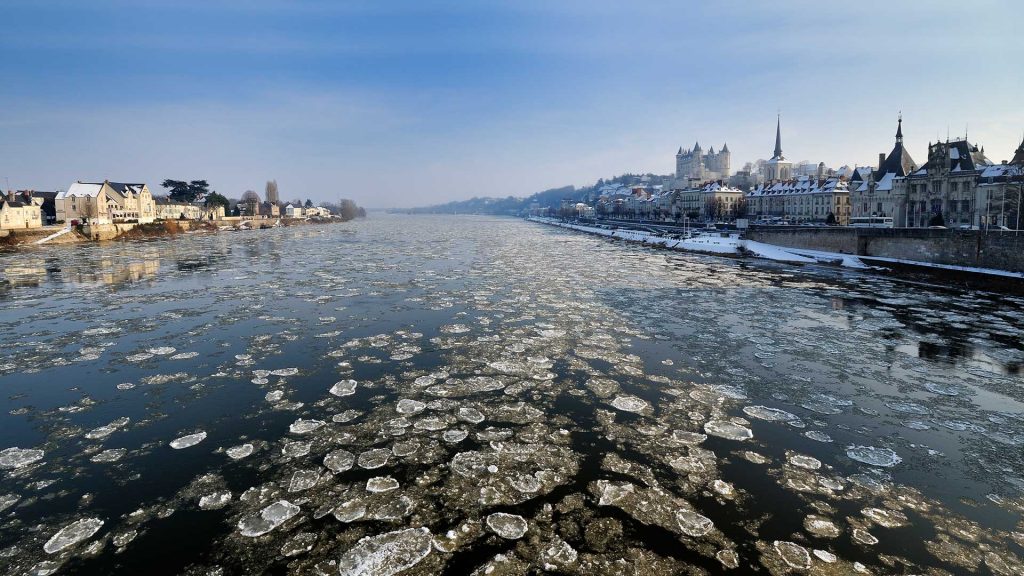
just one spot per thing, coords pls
(54, 235)
(734, 245)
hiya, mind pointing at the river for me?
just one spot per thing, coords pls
(456, 395)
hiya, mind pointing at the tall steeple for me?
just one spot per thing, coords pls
(696, 147)
(899, 129)
(778, 138)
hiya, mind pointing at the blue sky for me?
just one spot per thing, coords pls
(410, 103)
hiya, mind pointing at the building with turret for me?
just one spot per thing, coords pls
(879, 192)
(700, 165)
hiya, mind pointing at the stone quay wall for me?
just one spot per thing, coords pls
(1000, 250)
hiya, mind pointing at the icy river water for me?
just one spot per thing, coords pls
(471, 395)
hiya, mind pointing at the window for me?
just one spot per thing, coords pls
(879, 207)
(965, 206)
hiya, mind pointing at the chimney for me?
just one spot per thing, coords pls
(881, 160)
(10, 195)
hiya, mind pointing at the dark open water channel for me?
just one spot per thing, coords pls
(424, 395)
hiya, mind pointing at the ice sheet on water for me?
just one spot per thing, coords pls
(215, 500)
(408, 406)
(344, 388)
(821, 527)
(108, 429)
(908, 408)
(873, 455)
(818, 436)
(185, 356)
(162, 351)
(374, 458)
(283, 372)
(346, 416)
(693, 523)
(240, 451)
(15, 457)
(381, 484)
(8, 500)
(188, 440)
(72, 534)
(803, 461)
(268, 519)
(794, 555)
(728, 430)
(386, 554)
(302, 426)
(339, 461)
(508, 526)
(770, 414)
(295, 449)
(470, 415)
(629, 403)
(107, 456)
(304, 480)
(454, 436)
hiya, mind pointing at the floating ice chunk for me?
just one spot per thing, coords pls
(344, 388)
(864, 537)
(770, 414)
(188, 441)
(613, 492)
(803, 461)
(821, 527)
(162, 351)
(241, 451)
(303, 480)
(454, 436)
(215, 501)
(350, 511)
(339, 461)
(284, 372)
(301, 426)
(299, 544)
(108, 429)
(386, 554)
(690, 438)
(140, 357)
(825, 556)
(346, 416)
(295, 449)
(185, 356)
(72, 534)
(874, 456)
(8, 500)
(693, 523)
(630, 404)
(728, 430)
(125, 386)
(943, 390)
(269, 518)
(794, 555)
(274, 396)
(908, 408)
(526, 483)
(381, 484)
(728, 558)
(722, 487)
(818, 436)
(430, 423)
(470, 415)
(886, 518)
(18, 457)
(407, 406)
(917, 425)
(107, 456)
(508, 526)
(374, 458)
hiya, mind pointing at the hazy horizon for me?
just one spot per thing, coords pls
(410, 104)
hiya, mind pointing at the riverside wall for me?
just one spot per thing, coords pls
(974, 248)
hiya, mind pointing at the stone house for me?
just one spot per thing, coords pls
(18, 214)
(105, 202)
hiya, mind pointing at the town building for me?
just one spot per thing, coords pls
(19, 213)
(696, 164)
(168, 209)
(805, 200)
(1000, 193)
(879, 192)
(944, 190)
(105, 202)
(292, 211)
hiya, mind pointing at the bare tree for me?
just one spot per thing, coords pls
(250, 195)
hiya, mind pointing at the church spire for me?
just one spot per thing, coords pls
(778, 138)
(899, 128)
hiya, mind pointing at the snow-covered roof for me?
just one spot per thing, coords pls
(80, 190)
(800, 186)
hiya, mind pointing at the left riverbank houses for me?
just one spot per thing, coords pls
(105, 202)
(19, 212)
